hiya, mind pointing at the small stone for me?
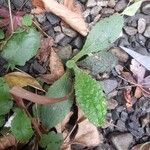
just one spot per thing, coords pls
(41, 17)
(121, 5)
(104, 147)
(146, 8)
(130, 30)
(121, 125)
(112, 104)
(102, 3)
(69, 32)
(107, 11)
(109, 85)
(115, 115)
(65, 52)
(141, 25)
(46, 25)
(57, 29)
(120, 54)
(18, 3)
(91, 3)
(95, 10)
(51, 33)
(77, 42)
(66, 40)
(140, 39)
(147, 31)
(59, 37)
(111, 3)
(53, 19)
(124, 116)
(122, 141)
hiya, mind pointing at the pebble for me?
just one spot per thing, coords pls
(109, 85)
(77, 42)
(107, 11)
(59, 37)
(121, 5)
(91, 3)
(122, 141)
(57, 29)
(69, 32)
(147, 44)
(141, 25)
(121, 125)
(95, 10)
(41, 17)
(124, 116)
(102, 3)
(53, 19)
(18, 3)
(111, 3)
(112, 104)
(130, 30)
(50, 32)
(146, 8)
(66, 40)
(140, 39)
(147, 31)
(120, 54)
(65, 52)
(86, 13)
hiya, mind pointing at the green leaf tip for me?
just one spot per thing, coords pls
(90, 97)
(70, 64)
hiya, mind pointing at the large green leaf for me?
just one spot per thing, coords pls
(51, 114)
(5, 100)
(2, 35)
(51, 141)
(21, 126)
(102, 35)
(21, 47)
(2, 121)
(90, 97)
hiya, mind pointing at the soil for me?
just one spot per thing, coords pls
(126, 123)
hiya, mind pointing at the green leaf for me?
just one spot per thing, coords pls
(27, 20)
(2, 121)
(51, 114)
(5, 100)
(90, 97)
(99, 62)
(21, 126)
(21, 47)
(102, 35)
(51, 141)
(2, 35)
(132, 9)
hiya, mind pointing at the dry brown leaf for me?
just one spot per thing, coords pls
(7, 141)
(35, 98)
(144, 146)
(75, 20)
(69, 4)
(56, 68)
(22, 79)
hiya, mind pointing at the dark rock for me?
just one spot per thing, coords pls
(109, 85)
(120, 125)
(112, 104)
(147, 44)
(36, 68)
(130, 30)
(121, 5)
(41, 17)
(18, 3)
(46, 25)
(59, 37)
(115, 115)
(89, 19)
(140, 39)
(147, 31)
(53, 19)
(145, 8)
(123, 41)
(104, 147)
(66, 40)
(69, 32)
(51, 33)
(2, 67)
(141, 25)
(77, 42)
(124, 116)
(122, 141)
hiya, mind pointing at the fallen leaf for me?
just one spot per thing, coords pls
(74, 20)
(69, 4)
(7, 141)
(22, 79)
(24, 94)
(144, 146)
(56, 68)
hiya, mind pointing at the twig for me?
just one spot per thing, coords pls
(10, 14)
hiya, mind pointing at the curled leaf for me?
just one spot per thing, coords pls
(22, 79)
(21, 93)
